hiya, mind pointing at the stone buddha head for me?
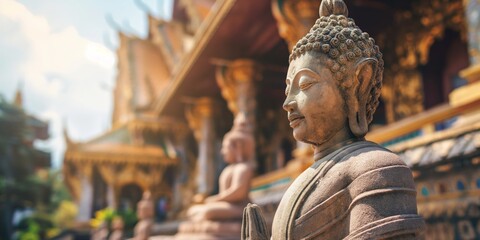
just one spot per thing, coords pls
(238, 145)
(334, 79)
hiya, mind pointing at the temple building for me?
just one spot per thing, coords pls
(179, 90)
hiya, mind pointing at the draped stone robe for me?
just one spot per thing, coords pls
(360, 191)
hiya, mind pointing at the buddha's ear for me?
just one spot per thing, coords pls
(365, 72)
(239, 151)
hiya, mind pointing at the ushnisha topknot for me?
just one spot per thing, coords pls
(333, 7)
(342, 41)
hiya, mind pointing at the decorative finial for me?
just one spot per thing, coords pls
(333, 7)
(18, 101)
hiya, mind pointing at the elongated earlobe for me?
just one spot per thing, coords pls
(238, 153)
(359, 96)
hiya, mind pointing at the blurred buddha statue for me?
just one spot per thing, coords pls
(355, 189)
(220, 216)
(117, 227)
(145, 212)
(101, 232)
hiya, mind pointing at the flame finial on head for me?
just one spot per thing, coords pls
(333, 7)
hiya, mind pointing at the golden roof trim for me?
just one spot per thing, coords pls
(103, 157)
(202, 37)
(434, 137)
(471, 74)
(156, 124)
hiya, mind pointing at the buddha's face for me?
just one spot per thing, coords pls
(228, 151)
(315, 106)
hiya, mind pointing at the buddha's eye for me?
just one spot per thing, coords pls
(305, 83)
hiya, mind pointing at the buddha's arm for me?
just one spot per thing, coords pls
(239, 187)
(383, 204)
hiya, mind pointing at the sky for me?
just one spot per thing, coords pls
(61, 54)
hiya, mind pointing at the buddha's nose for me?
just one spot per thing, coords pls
(289, 104)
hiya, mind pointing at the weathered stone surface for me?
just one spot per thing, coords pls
(355, 189)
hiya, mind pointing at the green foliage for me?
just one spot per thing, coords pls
(32, 232)
(23, 185)
(106, 215)
(18, 188)
(55, 213)
(34, 227)
(129, 218)
(64, 216)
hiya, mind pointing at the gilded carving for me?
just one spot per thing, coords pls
(294, 18)
(72, 179)
(407, 45)
(195, 113)
(108, 173)
(237, 83)
(194, 15)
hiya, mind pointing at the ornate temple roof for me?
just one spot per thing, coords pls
(232, 30)
(126, 143)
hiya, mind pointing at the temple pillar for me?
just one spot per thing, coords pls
(200, 119)
(111, 200)
(85, 198)
(294, 18)
(182, 193)
(237, 83)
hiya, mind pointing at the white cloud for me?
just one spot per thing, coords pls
(100, 55)
(62, 73)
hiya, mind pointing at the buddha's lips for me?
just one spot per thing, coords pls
(295, 119)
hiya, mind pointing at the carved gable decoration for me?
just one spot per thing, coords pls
(143, 74)
(195, 10)
(171, 38)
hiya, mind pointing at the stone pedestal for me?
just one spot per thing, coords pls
(210, 230)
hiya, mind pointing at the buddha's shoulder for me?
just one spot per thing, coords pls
(241, 166)
(368, 159)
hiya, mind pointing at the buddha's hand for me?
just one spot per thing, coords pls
(211, 199)
(199, 198)
(253, 225)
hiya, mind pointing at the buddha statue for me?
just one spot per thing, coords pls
(220, 215)
(355, 189)
(117, 227)
(145, 212)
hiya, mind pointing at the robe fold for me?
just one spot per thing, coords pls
(360, 191)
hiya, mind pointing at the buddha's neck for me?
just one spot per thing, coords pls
(323, 150)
